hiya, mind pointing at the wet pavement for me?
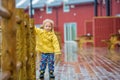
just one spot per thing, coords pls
(90, 64)
(87, 64)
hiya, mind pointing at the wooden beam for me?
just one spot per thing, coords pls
(4, 12)
(31, 67)
(19, 15)
(9, 42)
(21, 46)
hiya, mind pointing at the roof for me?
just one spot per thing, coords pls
(50, 3)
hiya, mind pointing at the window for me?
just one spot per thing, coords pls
(48, 10)
(66, 8)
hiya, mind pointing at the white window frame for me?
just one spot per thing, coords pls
(48, 10)
(66, 8)
(70, 30)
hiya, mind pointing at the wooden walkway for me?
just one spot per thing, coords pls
(98, 64)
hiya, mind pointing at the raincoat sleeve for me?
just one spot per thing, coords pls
(56, 45)
(38, 31)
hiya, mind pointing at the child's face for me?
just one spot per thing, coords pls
(48, 26)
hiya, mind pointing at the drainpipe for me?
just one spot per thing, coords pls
(31, 15)
(95, 8)
(107, 7)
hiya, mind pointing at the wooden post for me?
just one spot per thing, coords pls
(32, 54)
(9, 42)
(27, 41)
(0, 44)
(4, 12)
(21, 46)
(25, 47)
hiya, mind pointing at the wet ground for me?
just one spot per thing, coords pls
(90, 64)
(87, 64)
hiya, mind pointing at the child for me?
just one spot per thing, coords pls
(47, 43)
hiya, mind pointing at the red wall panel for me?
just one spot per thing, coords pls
(103, 28)
(89, 27)
(115, 7)
(117, 25)
(101, 10)
(77, 15)
(80, 14)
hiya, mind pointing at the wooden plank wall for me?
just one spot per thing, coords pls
(89, 27)
(103, 27)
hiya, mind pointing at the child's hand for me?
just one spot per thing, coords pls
(57, 58)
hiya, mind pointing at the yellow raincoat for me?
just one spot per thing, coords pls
(46, 42)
